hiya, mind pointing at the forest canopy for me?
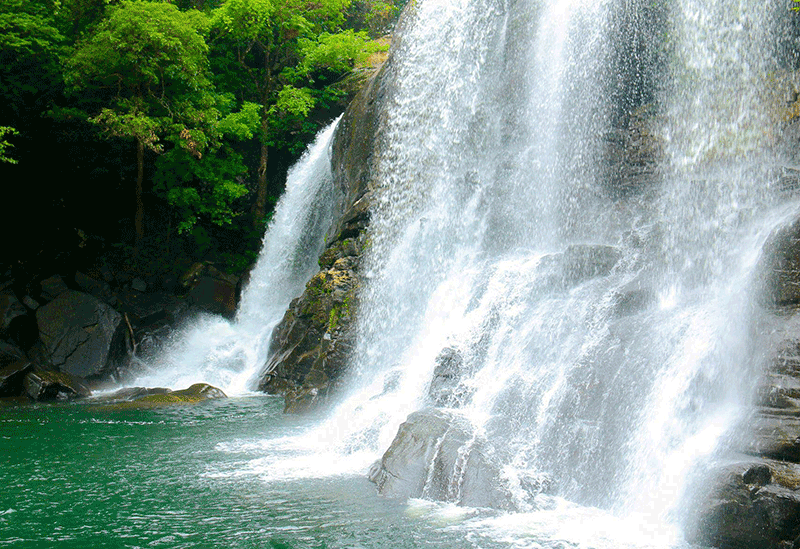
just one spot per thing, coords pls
(184, 116)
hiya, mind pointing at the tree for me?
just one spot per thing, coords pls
(278, 48)
(5, 145)
(143, 65)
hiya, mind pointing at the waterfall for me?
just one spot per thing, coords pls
(576, 330)
(228, 354)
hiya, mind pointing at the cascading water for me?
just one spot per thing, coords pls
(589, 341)
(228, 354)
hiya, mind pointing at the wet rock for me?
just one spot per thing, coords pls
(780, 267)
(138, 397)
(445, 389)
(76, 330)
(436, 455)
(48, 385)
(132, 393)
(12, 377)
(579, 263)
(746, 509)
(311, 344)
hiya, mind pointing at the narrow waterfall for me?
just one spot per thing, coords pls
(571, 337)
(228, 354)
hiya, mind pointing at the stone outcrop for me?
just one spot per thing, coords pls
(311, 345)
(48, 385)
(141, 397)
(436, 455)
(77, 330)
(754, 503)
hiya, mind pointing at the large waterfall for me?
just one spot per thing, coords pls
(579, 335)
(559, 299)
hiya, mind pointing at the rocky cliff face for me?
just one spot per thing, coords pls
(310, 347)
(754, 500)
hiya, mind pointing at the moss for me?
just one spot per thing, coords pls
(194, 394)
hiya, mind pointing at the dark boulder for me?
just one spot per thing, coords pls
(10, 309)
(12, 377)
(210, 289)
(749, 507)
(76, 330)
(48, 385)
(52, 287)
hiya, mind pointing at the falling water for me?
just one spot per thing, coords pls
(595, 334)
(228, 354)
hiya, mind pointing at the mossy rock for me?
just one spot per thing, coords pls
(198, 392)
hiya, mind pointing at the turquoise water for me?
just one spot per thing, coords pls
(76, 475)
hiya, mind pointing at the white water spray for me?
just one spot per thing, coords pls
(229, 354)
(602, 337)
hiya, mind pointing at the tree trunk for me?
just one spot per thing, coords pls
(260, 207)
(138, 220)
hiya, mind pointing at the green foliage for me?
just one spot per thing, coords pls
(5, 145)
(145, 50)
(30, 46)
(295, 101)
(335, 53)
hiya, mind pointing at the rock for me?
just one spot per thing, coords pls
(76, 330)
(53, 287)
(746, 510)
(97, 288)
(139, 397)
(139, 285)
(132, 393)
(210, 289)
(780, 267)
(48, 385)
(30, 303)
(579, 263)
(9, 353)
(775, 436)
(436, 455)
(10, 308)
(311, 344)
(12, 377)
(445, 389)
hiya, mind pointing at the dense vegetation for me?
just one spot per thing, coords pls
(151, 134)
